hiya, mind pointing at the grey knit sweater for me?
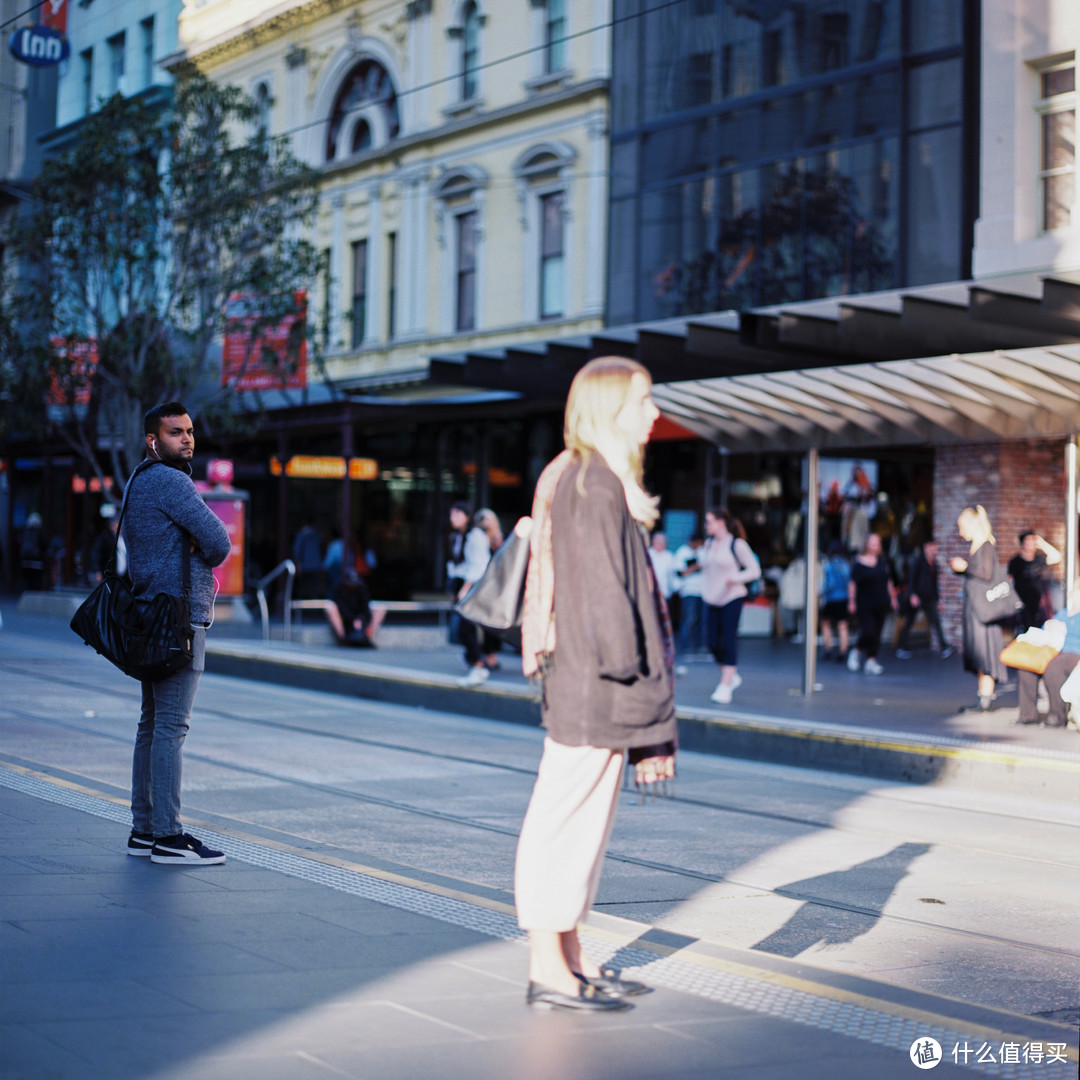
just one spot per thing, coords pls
(164, 513)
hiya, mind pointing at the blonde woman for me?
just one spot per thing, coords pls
(982, 641)
(595, 630)
(487, 521)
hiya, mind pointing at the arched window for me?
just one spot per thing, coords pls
(542, 173)
(365, 112)
(470, 50)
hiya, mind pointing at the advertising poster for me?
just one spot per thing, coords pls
(231, 508)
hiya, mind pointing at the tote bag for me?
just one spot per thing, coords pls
(497, 600)
(996, 602)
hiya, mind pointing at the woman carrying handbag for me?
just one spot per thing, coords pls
(982, 640)
(595, 631)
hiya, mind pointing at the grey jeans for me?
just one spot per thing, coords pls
(159, 746)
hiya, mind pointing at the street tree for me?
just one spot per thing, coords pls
(158, 233)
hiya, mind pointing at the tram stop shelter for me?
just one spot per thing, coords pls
(958, 363)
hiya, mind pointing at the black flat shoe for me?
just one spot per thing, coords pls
(587, 999)
(1030, 723)
(612, 985)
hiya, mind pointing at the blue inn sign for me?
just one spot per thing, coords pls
(39, 46)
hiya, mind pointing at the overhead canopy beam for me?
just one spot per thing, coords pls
(1028, 393)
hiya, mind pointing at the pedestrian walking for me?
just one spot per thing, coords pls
(922, 595)
(470, 551)
(982, 641)
(33, 554)
(166, 514)
(834, 603)
(728, 565)
(308, 558)
(595, 630)
(691, 635)
(871, 595)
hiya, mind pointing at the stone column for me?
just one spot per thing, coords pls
(595, 217)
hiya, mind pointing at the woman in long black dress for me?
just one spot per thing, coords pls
(982, 641)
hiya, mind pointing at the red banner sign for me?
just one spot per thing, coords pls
(54, 13)
(243, 362)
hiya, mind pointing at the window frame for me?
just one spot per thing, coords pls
(87, 58)
(555, 36)
(545, 257)
(117, 46)
(460, 190)
(471, 21)
(466, 274)
(391, 284)
(146, 27)
(1069, 101)
(359, 308)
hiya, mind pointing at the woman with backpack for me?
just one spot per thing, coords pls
(728, 567)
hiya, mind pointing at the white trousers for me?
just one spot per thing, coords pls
(565, 834)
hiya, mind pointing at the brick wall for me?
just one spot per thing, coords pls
(1022, 486)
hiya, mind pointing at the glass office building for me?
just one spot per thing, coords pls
(770, 151)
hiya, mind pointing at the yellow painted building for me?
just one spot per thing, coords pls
(463, 149)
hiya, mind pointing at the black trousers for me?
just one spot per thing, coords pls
(933, 617)
(871, 623)
(478, 642)
(1057, 671)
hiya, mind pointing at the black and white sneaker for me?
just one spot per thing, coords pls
(140, 843)
(184, 850)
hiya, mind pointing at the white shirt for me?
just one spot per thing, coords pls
(476, 552)
(689, 584)
(663, 563)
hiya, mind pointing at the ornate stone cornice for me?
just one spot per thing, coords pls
(251, 35)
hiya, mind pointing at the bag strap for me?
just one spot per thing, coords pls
(110, 567)
(734, 554)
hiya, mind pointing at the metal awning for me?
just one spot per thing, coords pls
(969, 318)
(962, 397)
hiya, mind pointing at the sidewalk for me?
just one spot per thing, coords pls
(290, 964)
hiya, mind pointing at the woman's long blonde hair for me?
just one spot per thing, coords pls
(984, 531)
(597, 394)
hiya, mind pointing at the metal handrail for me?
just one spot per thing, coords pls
(287, 567)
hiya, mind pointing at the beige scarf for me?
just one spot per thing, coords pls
(538, 616)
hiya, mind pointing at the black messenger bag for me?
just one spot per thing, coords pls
(148, 640)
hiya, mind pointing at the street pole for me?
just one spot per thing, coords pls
(811, 600)
(1070, 513)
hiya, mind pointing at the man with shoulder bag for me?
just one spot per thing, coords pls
(173, 538)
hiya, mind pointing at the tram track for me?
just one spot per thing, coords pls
(473, 824)
(463, 759)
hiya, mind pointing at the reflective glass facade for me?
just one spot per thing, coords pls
(769, 151)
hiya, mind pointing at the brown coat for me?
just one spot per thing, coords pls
(608, 684)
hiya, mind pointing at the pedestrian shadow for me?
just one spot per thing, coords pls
(841, 906)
